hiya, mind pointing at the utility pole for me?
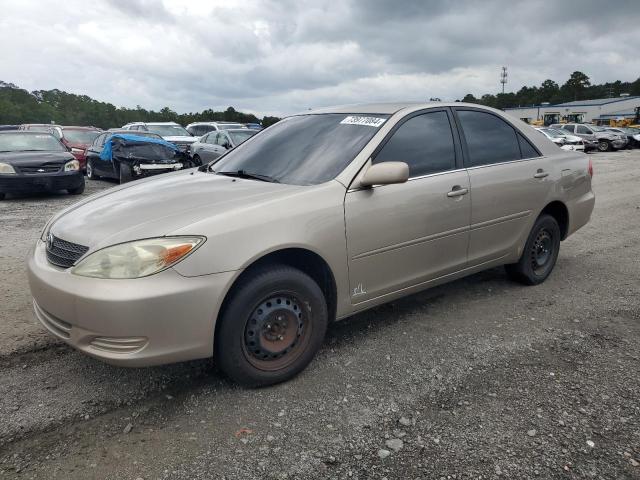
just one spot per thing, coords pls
(503, 78)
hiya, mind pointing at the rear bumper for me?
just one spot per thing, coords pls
(41, 182)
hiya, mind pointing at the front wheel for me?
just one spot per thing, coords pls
(540, 253)
(272, 326)
(604, 146)
(91, 174)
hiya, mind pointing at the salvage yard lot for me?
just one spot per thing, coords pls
(480, 377)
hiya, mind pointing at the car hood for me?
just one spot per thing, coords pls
(33, 159)
(180, 139)
(161, 205)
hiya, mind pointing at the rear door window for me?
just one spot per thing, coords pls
(526, 149)
(489, 138)
(424, 142)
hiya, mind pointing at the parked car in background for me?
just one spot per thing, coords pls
(37, 161)
(78, 140)
(109, 166)
(43, 127)
(254, 126)
(217, 143)
(563, 140)
(197, 129)
(606, 140)
(316, 218)
(632, 134)
(171, 131)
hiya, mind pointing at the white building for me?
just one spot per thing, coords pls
(579, 111)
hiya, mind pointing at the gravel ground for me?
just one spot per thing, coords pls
(481, 378)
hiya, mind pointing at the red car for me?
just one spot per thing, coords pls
(78, 140)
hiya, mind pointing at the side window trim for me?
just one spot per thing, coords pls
(465, 147)
(457, 149)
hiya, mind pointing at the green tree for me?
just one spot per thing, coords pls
(576, 85)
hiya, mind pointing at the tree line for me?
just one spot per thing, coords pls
(44, 106)
(19, 106)
(577, 87)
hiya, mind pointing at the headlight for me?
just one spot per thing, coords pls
(137, 259)
(6, 169)
(77, 150)
(72, 166)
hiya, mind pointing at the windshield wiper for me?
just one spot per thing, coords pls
(245, 174)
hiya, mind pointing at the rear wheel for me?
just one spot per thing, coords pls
(272, 326)
(540, 253)
(197, 160)
(91, 174)
(125, 173)
(604, 146)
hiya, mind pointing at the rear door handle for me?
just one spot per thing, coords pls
(457, 191)
(541, 174)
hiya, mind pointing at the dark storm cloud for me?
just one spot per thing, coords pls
(282, 56)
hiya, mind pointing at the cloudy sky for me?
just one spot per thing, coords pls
(279, 57)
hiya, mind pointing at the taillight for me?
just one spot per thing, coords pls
(590, 169)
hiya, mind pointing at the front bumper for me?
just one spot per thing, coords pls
(41, 181)
(154, 320)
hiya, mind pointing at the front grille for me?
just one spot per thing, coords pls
(62, 253)
(40, 169)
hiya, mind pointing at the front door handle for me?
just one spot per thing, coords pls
(541, 174)
(457, 191)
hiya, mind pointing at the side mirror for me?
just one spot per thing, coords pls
(385, 173)
(227, 145)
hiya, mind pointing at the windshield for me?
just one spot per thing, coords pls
(84, 137)
(595, 128)
(169, 130)
(305, 149)
(26, 142)
(239, 137)
(558, 133)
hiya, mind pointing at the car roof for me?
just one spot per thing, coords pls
(386, 108)
(239, 130)
(26, 132)
(75, 127)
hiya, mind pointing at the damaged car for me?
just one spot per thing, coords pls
(126, 157)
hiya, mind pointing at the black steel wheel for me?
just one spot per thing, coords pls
(271, 326)
(540, 253)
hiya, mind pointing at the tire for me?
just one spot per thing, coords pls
(540, 253)
(197, 161)
(124, 173)
(271, 327)
(91, 175)
(2, 195)
(77, 191)
(604, 146)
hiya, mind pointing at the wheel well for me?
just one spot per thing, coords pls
(558, 210)
(305, 260)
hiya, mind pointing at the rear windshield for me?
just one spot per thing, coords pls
(169, 130)
(85, 137)
(239, 137)
(305, 149)
(30, 142)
